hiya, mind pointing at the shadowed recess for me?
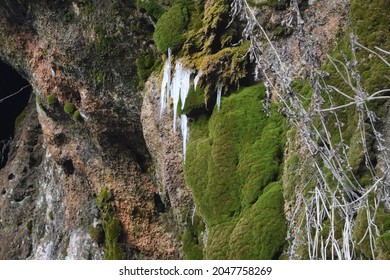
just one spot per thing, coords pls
(14, 95)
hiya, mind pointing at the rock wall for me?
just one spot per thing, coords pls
(102, 174)
(79, 57)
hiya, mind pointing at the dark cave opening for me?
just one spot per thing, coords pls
(15, 93)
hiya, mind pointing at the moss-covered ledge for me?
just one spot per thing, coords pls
(233, 167)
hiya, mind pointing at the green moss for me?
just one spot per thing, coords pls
(195, 100)
(98, 76)
(97, 234)
(104, 42)
(51, 99)
(231, 158)
(214, 14)
(103, 199)
(261, 232)
(369, 21)
(278, 31)
(170, 29)
(111, 226)
(383, 243)
(50, 215)
(303, 88)
(114, 249)
(218, 245)
(76, 116)
(152, 8)
(69, 108)
(88, 9)
(66, 246)
(382, 222)
(145, 66)
(196, 11)
(192, 238)
(228, 65)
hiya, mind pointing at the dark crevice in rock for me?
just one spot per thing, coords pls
(14, 96)
(159, 205)
(68, 166)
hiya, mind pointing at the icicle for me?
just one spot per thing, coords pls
(165, 85)
(219, 95)
(185, 86)
(175, 91)
(196, 79)
(179, 88)
(267, 100)
(184, 133)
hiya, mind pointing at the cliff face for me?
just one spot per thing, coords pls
(80, 60)
(96, 169)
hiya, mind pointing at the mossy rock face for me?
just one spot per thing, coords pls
(231, 159)
(97, 234)
(382, 223)
(111, 226)
(261, 232)
(152, 8)
(170, 29)
(369, 23)
(383, 243)
(192, 238)
(228, 66)
(195, 101)
(76, 116)
(52, 99)
(145, 66)
(69, 108)
(215, 12)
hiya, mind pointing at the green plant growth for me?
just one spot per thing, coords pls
(145, 66)
(170, 29)
(214, 14)
(76, 116)
(69, 108)
(261, 231)
(51, 99)
(98, 76)
(229, 65)
(97, 234)
(369, 21)
(114, 249)
(195, 100)
(64, 252)
(104, 41)
(231, 159)
(363, 246)
(152, 8)
(192, 238)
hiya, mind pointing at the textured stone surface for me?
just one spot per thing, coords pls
(86, 58)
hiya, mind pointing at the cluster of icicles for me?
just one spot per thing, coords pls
(177, 87)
